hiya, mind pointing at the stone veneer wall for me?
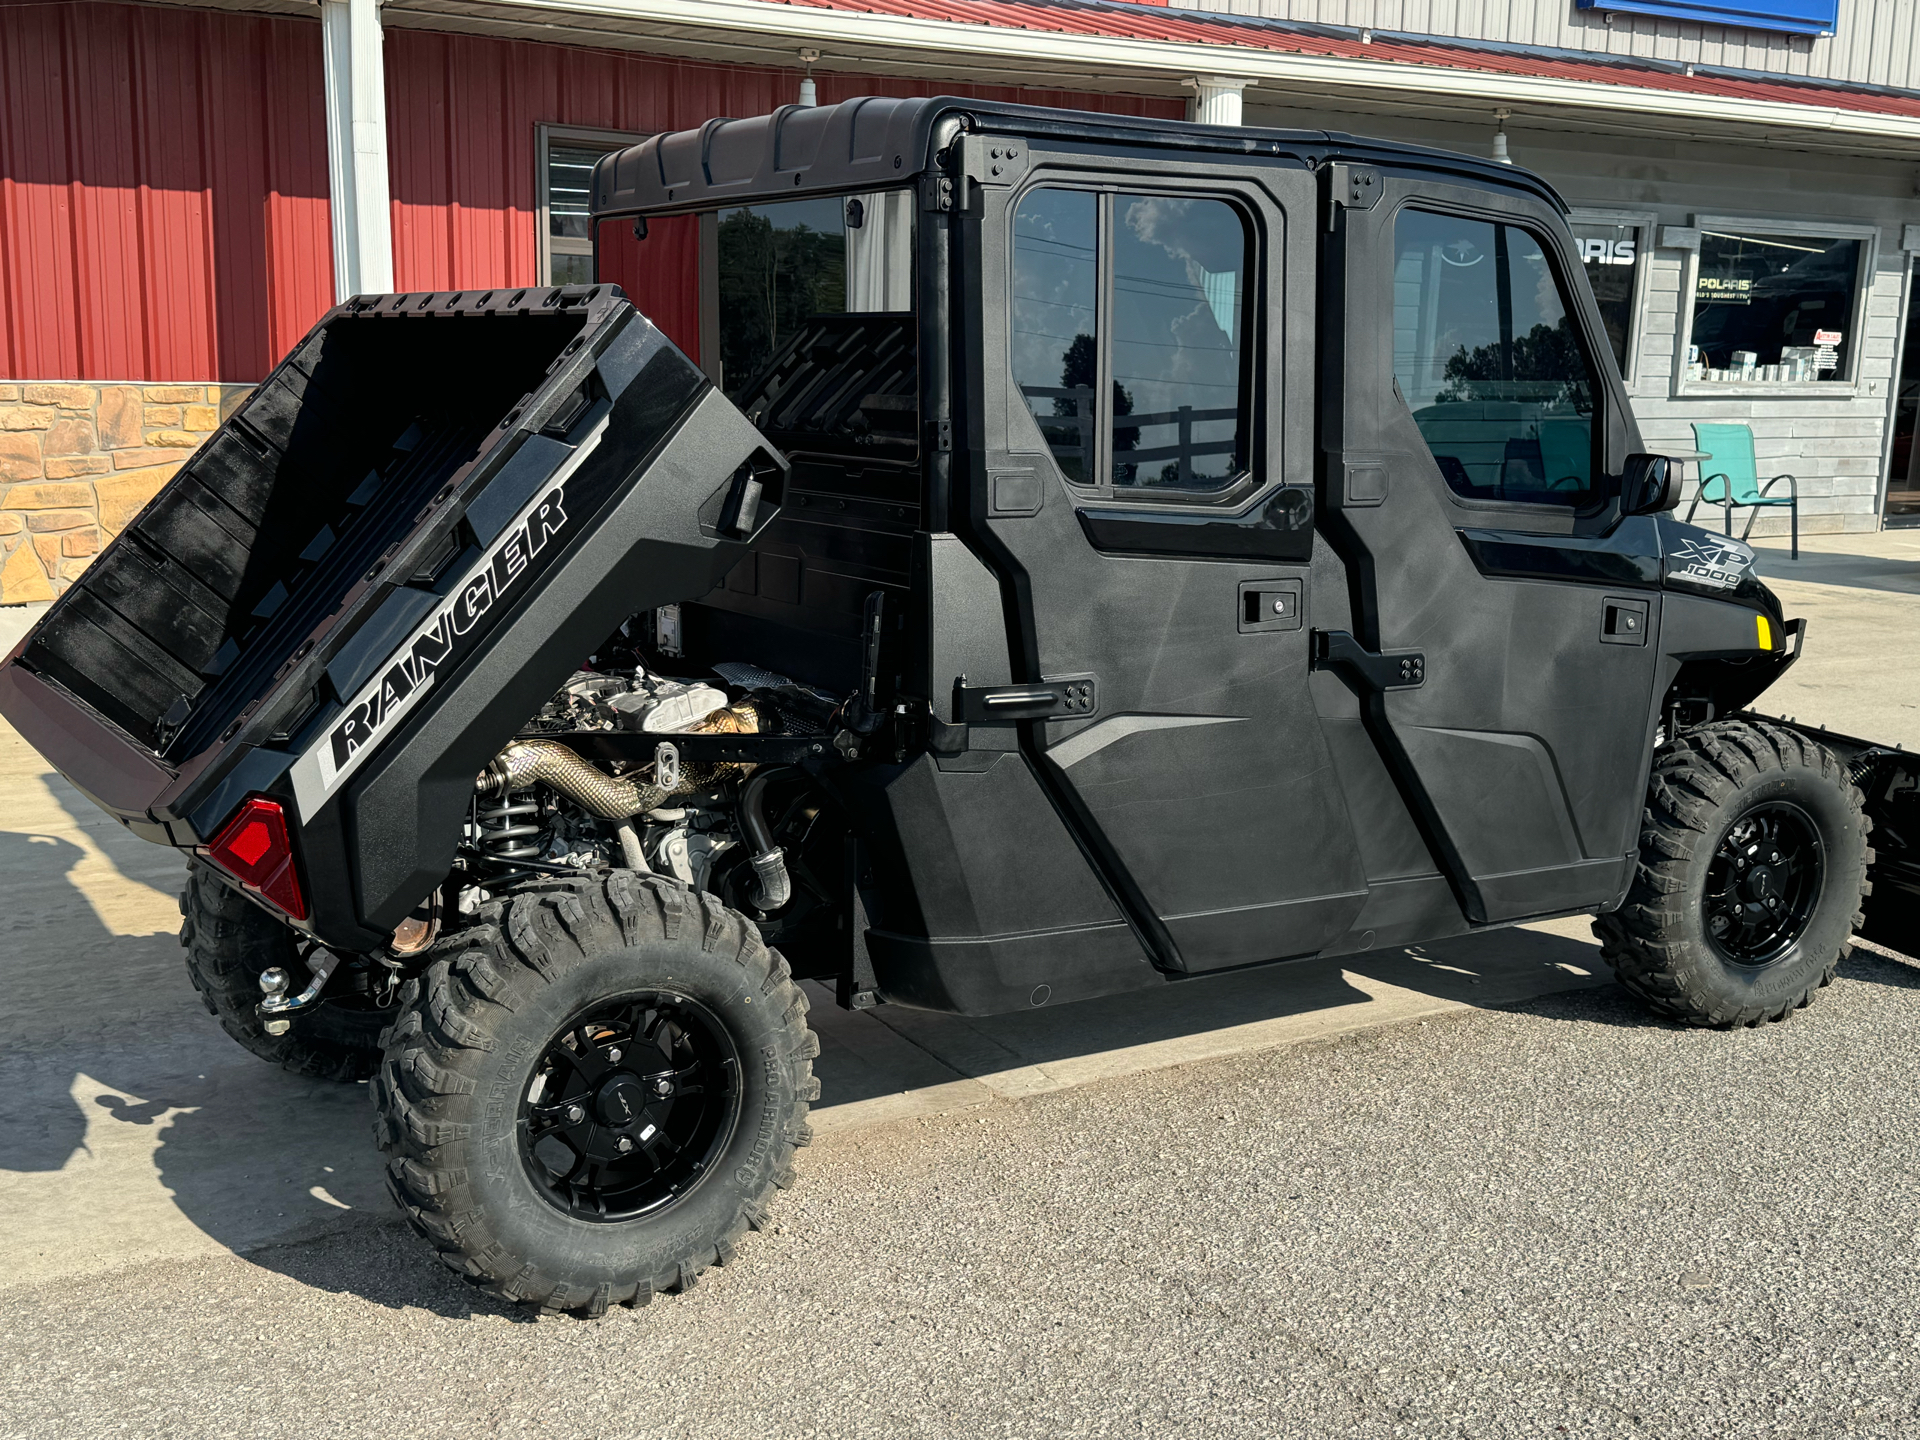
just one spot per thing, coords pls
(78, 459)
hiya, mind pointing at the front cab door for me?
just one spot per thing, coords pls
(1473, 436)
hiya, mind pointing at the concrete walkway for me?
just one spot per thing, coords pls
(1859, 671)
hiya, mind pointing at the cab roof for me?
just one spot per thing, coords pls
(875, 142)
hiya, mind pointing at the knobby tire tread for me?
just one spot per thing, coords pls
(516, 944)
(1692, 777)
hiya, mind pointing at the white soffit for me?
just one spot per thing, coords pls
(760, 32)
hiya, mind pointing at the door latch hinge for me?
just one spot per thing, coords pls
(937, 194)
(1365, 670)
(1350, 187)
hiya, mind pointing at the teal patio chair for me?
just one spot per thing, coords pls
(1730, 480)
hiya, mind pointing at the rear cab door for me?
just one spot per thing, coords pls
(1140, 478)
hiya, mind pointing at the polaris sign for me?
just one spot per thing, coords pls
(1607, 252)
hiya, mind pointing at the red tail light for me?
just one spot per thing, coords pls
(255, 849)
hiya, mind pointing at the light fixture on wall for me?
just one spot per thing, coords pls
(807, 95)
(1499, 152)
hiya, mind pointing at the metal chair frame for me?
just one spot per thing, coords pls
(1761, 501)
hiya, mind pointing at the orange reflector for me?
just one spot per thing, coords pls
(1763, 633)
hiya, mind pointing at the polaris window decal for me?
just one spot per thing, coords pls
(444, 639)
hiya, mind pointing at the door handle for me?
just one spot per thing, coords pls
(1066, 697)
(1367, 670)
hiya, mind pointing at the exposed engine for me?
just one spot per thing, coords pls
(542, 807)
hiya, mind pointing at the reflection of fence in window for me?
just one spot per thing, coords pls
(1134, 464)
(1069, 433)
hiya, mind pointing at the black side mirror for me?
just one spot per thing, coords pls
(1649, 484)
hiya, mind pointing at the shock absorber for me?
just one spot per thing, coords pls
(506, 825)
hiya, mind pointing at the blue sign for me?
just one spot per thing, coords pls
(1792, 17)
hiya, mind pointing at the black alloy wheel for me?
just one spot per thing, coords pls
(1763, 883)
(594, 1090)
(628, 1106)
(1753, 861)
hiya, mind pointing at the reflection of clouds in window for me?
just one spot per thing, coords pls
(1548, 309)
(1052, 320)
(1177, 307)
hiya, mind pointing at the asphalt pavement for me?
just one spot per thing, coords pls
(1559, 1218)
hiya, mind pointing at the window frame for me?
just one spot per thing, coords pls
(1251, 403)
(1644, 223)
(1554, 249)
(545, 244)
(1868, 235)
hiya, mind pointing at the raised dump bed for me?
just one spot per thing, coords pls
(373, 526)
(258, 541)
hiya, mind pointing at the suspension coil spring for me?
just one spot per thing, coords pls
(505, 827)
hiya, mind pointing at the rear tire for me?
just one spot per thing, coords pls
(1753, 864)
(530, 1049)
(229, 942)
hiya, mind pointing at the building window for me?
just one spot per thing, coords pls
(1489, 359)
(1775, 304)
(1613, 250)
(1154, 400)
(563, 187)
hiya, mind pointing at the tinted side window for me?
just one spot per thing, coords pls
(1055, 285)
(1488, 358)
(787, 266)
(1179, 266)
(1155, 400)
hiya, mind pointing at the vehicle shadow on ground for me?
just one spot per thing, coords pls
(1613, 1006)
(133, 1128)
(1324, 996)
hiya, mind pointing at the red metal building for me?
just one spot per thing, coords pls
(164, 182)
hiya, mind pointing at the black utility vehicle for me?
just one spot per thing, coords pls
(986, 557)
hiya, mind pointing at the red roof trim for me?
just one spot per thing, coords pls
(1137, 23)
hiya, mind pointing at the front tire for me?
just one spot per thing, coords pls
(594, 1090)
(1753, 864)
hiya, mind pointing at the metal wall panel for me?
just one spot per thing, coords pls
(1874, 41)
(461, 112)
(163, 173)
(163, 182)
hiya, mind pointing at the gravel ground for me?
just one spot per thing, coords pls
(1560, 1219)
